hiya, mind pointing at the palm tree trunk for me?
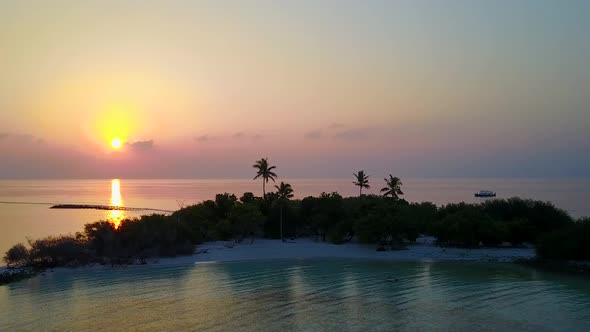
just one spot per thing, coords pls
(360, 191)
(263, 189)
(282, 239)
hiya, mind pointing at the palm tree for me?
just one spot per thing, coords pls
(393, 187)
(362, 180)
(285, 191)
(265, 172)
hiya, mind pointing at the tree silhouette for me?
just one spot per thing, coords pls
(393, 187)
(362, 180)
(285, 191)
(265, 172)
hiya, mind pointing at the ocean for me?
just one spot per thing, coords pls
(299, 295)
(32, 218)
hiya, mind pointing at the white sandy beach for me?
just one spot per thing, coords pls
(423, 250)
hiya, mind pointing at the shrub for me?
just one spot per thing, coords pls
(17, 256)
(520, 231)
(340, 233)
(461, 227)
(248, 197)
(541, 217)
(245, 220)
(62, 250)
(492, 232)
(224, 204)
(569, 243)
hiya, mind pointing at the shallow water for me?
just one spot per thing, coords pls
(17, 221)
(311, 295)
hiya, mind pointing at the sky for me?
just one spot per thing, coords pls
(202, 89)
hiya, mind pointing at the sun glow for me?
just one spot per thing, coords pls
(116, 143)
(116, 217)
(117, 123)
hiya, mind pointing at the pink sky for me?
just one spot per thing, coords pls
(204, 89)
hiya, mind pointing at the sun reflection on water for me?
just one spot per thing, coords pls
(116, 216)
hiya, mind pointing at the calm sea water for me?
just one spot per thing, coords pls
(303, 295)
(19, 221)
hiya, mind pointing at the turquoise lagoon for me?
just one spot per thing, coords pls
(309, 295)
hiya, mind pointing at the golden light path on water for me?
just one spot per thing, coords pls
(116, 216)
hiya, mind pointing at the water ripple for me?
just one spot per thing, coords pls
(298, 295)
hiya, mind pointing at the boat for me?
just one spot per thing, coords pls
(485, 193)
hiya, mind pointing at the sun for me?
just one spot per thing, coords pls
(116, 143)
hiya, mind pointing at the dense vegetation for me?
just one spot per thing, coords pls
(568, 243)
(329, 217)
(383, 220)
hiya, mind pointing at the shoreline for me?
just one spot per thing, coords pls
(424, 250)
(305, 248)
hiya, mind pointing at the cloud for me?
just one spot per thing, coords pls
(227, 138)
(202, 138)
(20, 138)
(243, 135)
(353, 134)
(239, 134)
(314, 134)
(336, 125)
(141, 145)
